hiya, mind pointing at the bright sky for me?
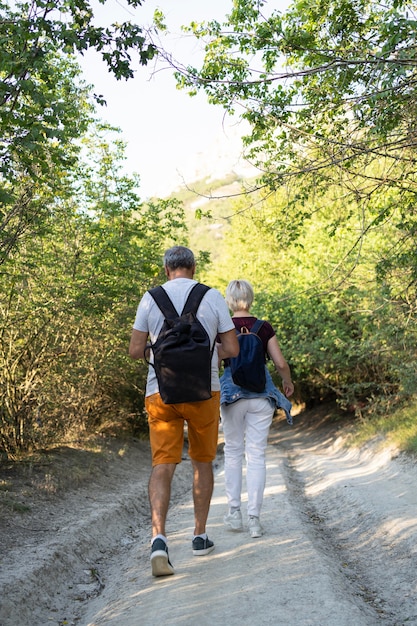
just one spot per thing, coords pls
(171, 138)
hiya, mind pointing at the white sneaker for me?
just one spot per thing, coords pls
(255, 528)
(233, 521)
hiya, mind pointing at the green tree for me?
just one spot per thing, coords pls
(43, 108)
(329, 91)
(40, 130)
(340, 325)
(326, 83)
(68, 297)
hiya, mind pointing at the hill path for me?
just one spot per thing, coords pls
(339, 547)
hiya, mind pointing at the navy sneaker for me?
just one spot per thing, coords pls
(202, 546)
(160, 563)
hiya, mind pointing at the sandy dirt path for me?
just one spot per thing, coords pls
(281, 578)
(339, 547)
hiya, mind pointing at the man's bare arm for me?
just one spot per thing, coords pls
(138, 343)
(228, 346)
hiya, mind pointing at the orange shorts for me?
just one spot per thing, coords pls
(166, 429)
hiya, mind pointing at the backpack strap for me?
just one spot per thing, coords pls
(257, 327)
(195, 297)
(164, 302)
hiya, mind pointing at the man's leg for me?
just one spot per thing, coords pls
(203, 424)
(166, 435)
(159, 490)
(202, 491)
(159, 495)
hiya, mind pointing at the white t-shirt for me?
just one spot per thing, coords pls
(212, 313)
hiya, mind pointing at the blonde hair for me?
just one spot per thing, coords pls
(239, 295)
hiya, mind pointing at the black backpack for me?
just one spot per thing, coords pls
(248, 367)
(182, 352)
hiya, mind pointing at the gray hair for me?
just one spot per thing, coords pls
(179, 256)
(239, 295)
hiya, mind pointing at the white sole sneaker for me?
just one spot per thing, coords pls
(160, 564)
(255, 528)
(233, 521)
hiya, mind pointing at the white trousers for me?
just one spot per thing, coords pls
(246, 426)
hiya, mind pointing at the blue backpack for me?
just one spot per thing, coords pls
(248, 368)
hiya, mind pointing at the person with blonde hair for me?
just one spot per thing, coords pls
(247, 415)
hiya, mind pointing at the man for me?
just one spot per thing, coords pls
(166, 421)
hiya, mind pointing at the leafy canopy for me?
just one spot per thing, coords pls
(328, 83)
(44, 107)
